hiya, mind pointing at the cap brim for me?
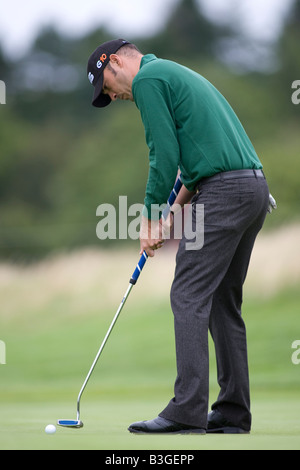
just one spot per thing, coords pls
(99, 99)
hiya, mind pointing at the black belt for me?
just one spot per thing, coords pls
(229, 175)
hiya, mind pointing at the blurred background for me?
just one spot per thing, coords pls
(60, 158)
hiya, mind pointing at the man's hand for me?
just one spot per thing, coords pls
(153, 234)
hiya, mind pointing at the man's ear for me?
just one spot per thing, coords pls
(116, 59)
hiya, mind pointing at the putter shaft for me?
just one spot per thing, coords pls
(101, 348)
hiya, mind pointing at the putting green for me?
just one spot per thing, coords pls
(52, 333)
(276, 426)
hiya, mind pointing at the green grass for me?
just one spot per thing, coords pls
(276, 426)
(50, 346)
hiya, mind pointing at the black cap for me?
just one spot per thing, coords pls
(96, 64)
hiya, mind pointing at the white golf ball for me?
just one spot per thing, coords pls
(50, 429)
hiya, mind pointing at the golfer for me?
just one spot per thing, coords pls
(190, 127)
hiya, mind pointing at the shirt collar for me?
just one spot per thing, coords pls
(146, 59)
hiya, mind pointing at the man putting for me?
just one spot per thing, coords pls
(190, 126)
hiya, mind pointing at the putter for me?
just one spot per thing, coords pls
(77, 423)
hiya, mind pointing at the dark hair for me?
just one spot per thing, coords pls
(128, 49)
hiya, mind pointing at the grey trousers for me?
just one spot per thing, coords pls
(206, 295)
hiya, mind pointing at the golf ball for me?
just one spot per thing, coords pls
(50, 429)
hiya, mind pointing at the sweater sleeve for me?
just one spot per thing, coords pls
(153, 98)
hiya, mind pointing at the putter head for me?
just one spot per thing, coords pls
(70, 423)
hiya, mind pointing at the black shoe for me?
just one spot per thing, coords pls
(217, 423)
(162, 425)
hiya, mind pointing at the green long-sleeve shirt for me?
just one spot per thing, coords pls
(188, 125)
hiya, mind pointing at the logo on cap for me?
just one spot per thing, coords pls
(101, 61)
(91, 77)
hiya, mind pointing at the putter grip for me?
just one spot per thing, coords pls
(139, 268)
(172, 197)
(165, 214)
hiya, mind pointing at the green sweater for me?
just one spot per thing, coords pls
(188, 125)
